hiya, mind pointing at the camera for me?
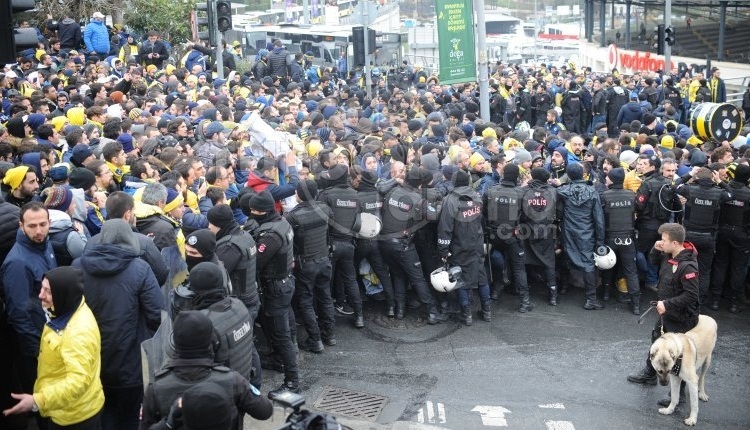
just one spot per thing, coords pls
(288, 399)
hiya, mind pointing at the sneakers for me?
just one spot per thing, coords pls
(593, 305)
(343, 308)
(645, 376)
(286, 386)
(310, 345)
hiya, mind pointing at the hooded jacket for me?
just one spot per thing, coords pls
(68, 31)
(67, 242)
(126, 300)
(152, 222)
(460, 233)
(678, 287)
(629, 112)
(582, 223)
(96, 37)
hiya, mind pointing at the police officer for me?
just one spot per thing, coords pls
(310, 222)
(403, 214)
(503, 208)
(460, 243)
(231, 320)
(618, 206)
(371, 202)
(732, 247)
(655, 202)
(193, 339)
(275, 258)
(540, 225)
(702, 209)
(342, 199)
(236, 249)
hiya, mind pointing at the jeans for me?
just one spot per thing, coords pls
(342, 263)
(463, 295)
(277, 306)
(369, 249)
(647, 237)
(596, 120)
(406, 268)
(313, 292)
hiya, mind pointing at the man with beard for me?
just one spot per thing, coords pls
(22, 185)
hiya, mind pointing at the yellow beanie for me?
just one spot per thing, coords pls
(667, 142)
(76, 115)
(475, 159)
(314, 147)
(694, 140)
(510, 143)
(14, 177)
(174, 204)
(489, 132)
(58, 122)
(169, 69)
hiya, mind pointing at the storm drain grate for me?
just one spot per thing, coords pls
(354, 404)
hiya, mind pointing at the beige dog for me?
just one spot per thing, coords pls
(685, 357)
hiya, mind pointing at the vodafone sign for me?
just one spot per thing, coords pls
(635, 61)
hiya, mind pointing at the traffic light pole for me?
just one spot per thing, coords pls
(365, 31)
(667, 46)
(219, 47)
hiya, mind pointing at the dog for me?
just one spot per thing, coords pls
(685, 357)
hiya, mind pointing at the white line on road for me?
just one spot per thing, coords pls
(441, 413)
(559, 425)
(430, 413)
(552, 406)
(430, 409)
(493, 416)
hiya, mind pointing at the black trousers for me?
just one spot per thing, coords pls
(515, 259)
(277, 308)
(731, 259)
(705, 243)
(369, 250)
(312, 296)
(345, 277)
(625, 251)
(406, 268)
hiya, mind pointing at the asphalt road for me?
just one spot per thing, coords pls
(556, 368)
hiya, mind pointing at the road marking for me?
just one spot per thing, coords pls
(430, 410)
(493, 416)
(552, 406)
(559, 425)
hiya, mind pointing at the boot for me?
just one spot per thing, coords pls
(466, 318)
(623, 298)
(635, 299)
(399, 311)
(593, 304)
(391, 311)
(359, 319)
(286, 386)
(667, 400)
(435, 316)
(311, 345)
(646, 376)
(525, 300)
(553, 296)
(486, 312)
(605, 292)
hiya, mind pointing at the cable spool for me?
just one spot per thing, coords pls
(719, 121)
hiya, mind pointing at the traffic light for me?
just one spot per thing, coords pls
(205, 23)
(371, 40)
(358, 46)
(659, 39)
(13, 40)
(669, 36)
(224, 15)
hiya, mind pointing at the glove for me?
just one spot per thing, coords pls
(174, 420)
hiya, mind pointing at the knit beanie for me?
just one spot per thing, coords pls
(511, 172)
(14, 177)
(58, 198)
(192, 335)
(308, 190)
(461, 178)
(263, 202)
(81, 178)
(204, 241)
(540, 174)
(174, 200)
(617, 175)
(221, 216)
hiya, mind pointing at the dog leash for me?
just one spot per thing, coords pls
(643, 315)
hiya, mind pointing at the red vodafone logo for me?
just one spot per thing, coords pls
(612, 56)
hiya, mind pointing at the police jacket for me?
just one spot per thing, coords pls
(234, 330)
(180, 374)
(678, 285)
(703, 206)
(655, 199)
(459, 231)
(274, 238)
(539, 205)
(237, 250)
(619, 209)
(735, 213)
(403, 212)
(342, 199)
(310, 222)
(502, 207)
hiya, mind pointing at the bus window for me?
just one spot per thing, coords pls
(328, 58)
(316, 52)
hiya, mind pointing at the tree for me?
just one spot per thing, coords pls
(169, 17)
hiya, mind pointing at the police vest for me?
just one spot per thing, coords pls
(310, 225)
(168, 387)
(736, 212)
(370, 202)
(540, 205)
(243, 276)
(702, 208)
(234, 330)
(401, 211)
(343, 202)
(281, 265)
(619, 207)
(660, 205)
(503, 206)
(434, 203)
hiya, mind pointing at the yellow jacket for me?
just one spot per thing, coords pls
(632, 182)
(68, 389)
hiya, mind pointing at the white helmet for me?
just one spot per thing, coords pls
(523, 126)
(368, 226)
(445, 279)
(605, 258)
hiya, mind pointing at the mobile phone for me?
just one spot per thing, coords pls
(201, 181)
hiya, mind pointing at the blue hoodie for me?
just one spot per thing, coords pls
(96, 38)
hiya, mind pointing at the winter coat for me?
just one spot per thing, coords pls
(22, 273)
(126, 300)
(582, 223)
(629, 112)
(9, 217)
(148, 253)
(277, 62)
(68, 389)
(96, 37)
(68, 31)
(678, 286)
(70, 243)
(152, 222)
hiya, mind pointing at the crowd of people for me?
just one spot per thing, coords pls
(121, 167)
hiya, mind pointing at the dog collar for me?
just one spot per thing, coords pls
(677, 366)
